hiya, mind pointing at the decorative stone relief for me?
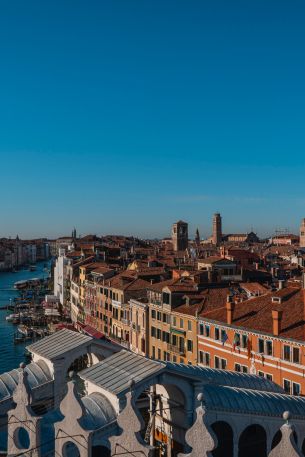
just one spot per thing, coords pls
(69, 433)
(23, 423)
(287, 446)
(199, 437)
(131, 423)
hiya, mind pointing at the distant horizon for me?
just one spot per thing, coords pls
(164, 234)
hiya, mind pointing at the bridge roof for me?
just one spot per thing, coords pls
(38, 374)
(115, 373)
(225, 378)
(252, 401)
(60, 343)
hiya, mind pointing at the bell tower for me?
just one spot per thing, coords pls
(302, 234)
(180, 236)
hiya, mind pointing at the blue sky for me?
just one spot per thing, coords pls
(124, 116)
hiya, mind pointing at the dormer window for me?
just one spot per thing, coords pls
(277, 300)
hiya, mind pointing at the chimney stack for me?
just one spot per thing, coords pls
(230, 306)
(277, 320)
(281, 284)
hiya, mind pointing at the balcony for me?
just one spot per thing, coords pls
(125, 321)
(176, 349)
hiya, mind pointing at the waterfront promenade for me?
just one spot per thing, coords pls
(10, 354)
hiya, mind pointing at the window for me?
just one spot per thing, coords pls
(190, 345)
(158, 334)
(269, 377)
(159, 316)
(166, 298)
(296, 389)
(174, 340)
(166, 356)
(244, 341)
(174, 359)
(287, 386)
(220, 363)
(153, 332)
(207, 330)
(296, 355)
(165, 337)
(241, 368)
(189, 325)
(204, 358)
(269, 350)
(201, 329)
(174, 321)
(261, 346)
(153, 352)
(159, 354)
(164, 317)
(260, 373)
(217, 333)
(153, 314)
(181, 323)
(286, 354)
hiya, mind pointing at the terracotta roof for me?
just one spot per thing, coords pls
(256, 313)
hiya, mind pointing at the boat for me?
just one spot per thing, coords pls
(25, 331)
(12, 317)
(19, 285)
(33, 268)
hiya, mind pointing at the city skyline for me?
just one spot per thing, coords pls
(124, 115)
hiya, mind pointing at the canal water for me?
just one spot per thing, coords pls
(11, 355)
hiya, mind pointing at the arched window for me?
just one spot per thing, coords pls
(22, 438)
(70, 450)
(253, 442)
(224, 434)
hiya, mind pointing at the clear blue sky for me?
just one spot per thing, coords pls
(126, 115)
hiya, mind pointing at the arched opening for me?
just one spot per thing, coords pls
(165, 429)
(22, 438)
(79, 364)
(224, 434)
(98, 451)
(278, 436)
(70, 450)
(253, 442)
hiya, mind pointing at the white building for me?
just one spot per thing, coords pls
(60, 276)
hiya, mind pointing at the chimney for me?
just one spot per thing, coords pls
(230, 310)
(281, 284)
(277, 320)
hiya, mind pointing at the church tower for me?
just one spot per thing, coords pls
(302, 234)
(180, 236)
(217, 229)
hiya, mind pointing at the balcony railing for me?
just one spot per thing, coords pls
(176, 349)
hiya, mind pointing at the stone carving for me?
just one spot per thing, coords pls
(23, 423)
(198, 437)
(130, 441)
(287, 446)
(69, 432)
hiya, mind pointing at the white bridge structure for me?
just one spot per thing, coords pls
(134, 406)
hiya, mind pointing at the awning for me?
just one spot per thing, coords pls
(93, 332)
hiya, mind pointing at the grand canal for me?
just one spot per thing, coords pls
(11, 355)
